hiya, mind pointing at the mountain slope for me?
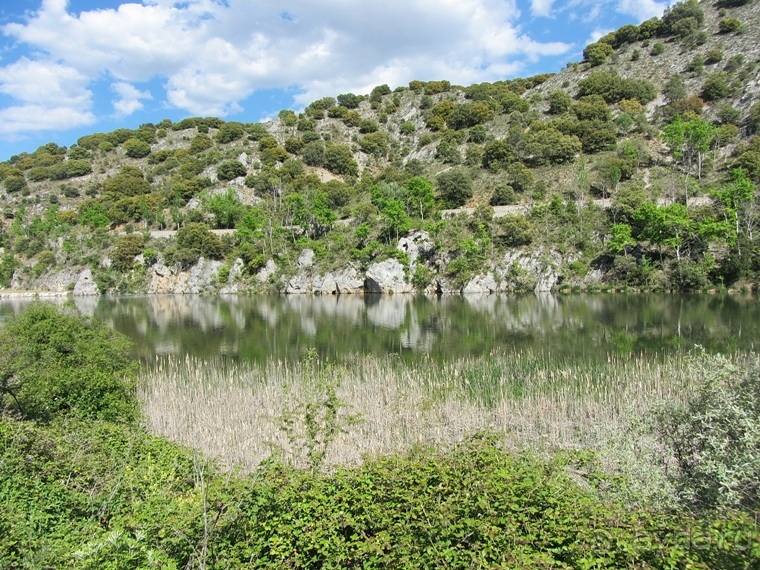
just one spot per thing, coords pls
(635, 167)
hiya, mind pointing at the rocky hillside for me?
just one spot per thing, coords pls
(636, 167)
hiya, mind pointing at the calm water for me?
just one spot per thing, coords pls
(563, 326)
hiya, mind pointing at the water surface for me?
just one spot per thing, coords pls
(591, 326)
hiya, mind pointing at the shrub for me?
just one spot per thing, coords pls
(454, 187)
(127, 247)
(55, 364)
(136, 148)
(502, 196)
(714, 437)
(729, 25)
(657, 49)
(229, 170)
(713, 56)
(715, 86)
(596, 53)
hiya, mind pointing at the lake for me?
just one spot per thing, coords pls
(572, 326)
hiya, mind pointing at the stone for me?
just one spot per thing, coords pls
(85, 285)
(387, 277)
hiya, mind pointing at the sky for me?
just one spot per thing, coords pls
(75, 67)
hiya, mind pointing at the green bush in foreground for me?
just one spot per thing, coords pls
(101, 495)
(714, 437)
(53, 363)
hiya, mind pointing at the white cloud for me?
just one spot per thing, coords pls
(541, 8)
(643, 9)
(598, 33)
(129, 98)
(212, 54)
(21, 119)
(45, 83)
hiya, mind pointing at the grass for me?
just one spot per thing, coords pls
(234, 411)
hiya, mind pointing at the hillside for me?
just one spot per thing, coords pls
(636, 167)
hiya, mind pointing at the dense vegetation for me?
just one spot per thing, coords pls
(86, 487)
(639, 164)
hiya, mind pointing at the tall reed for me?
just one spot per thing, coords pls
(234, 410)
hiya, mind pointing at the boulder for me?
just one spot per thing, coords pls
(387, 276)
(85, 285)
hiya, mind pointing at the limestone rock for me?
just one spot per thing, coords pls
(85, 285)
(387, 277)
(482, 284)
(306, 258)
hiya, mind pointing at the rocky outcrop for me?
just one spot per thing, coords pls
(387, 277)
(201, 278)
(85, 285)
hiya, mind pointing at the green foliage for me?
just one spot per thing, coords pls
(729, 25)
(195, 240)
(657, 49)
(680, 16)
(349, 100)
(128, 182)
(226, 208)
(229, 132)
(55, 364)
(714, 436)
(229, 170)
(559, 102)
(339, 159)
(596, 53)
(127, 247)
(14, 184)
(550, 146)
(136, 148)
(454, 187)
(614, 88)
(715, 86)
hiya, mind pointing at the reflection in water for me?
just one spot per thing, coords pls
(562, 326)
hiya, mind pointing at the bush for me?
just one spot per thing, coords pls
(136, 148)
(714, 436)
(229, 170)
(127, 247)
(715, 86)
(54, 364)
(729, 25)
(454, 187)
(657, 49)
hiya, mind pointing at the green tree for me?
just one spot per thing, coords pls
(127, 247)
(136, 148)
(454, 187)
(54, 363)
(226, 208)
(596, 53)
(339, 159)
(420, 196)
(229, 170)
(395, 217)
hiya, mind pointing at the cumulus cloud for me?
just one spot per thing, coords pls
(643, 9)
(129, 98)
(21, 119)
(541, 8)
(213, 54)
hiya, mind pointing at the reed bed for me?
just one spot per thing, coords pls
(235, 411)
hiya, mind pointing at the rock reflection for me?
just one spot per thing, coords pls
(285, 327)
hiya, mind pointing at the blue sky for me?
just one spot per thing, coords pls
(69, 68)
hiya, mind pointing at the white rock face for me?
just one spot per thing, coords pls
(416, 245)
(387, 277)
(265, 272)
(346, 281)
(199, 279)
(482, 284)
(85, 285)
(306, 258)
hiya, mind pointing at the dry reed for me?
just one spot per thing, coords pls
(234, 411)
